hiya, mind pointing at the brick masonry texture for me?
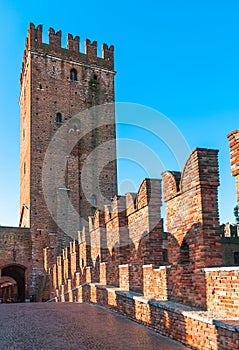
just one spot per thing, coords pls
(193, 226)
(223, 290)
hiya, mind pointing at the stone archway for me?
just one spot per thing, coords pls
(17, 272)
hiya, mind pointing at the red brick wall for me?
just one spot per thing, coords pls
(223, 290)
(155, 282)
(129, 231)
(192, 225)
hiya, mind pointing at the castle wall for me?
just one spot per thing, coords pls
(169, 297)
(129, 232)
(192, 225)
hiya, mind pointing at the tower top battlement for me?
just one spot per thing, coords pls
(71, 52)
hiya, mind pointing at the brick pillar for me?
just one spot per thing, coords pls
(234, 155)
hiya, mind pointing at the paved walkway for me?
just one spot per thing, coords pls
(74, 326)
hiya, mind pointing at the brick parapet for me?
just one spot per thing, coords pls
(223, 290)
(192, 225)
(197, 329)
(155, 280)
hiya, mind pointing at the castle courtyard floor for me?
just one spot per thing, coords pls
(74, 326)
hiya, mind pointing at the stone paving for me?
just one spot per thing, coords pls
(74, 326)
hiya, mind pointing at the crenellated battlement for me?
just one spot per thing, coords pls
(96, 221)
(148, 196)
(71, 52)
(201, 169)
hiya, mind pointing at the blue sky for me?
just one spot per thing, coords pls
(178, 57)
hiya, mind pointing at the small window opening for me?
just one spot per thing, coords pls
(93, 200)
(24, 168)
(73, 75)
(95, 77)
(236, 258)
(184, 252)
(165, 255)
(58, 118)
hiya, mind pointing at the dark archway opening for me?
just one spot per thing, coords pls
(18, 274)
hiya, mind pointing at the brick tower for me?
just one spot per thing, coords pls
(56, 84)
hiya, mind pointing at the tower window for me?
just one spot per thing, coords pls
(73, 74)
(184, 252)
(236, 258)
(24, 168)
(93, 200)
(58, 118)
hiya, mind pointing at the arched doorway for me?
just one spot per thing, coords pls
(16, 272)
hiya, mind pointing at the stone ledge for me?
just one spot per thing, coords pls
(225, 268)
(157, 268)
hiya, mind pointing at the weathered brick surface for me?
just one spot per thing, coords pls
(223, 290)
(155, 282)
(193, 226)
(130, 231)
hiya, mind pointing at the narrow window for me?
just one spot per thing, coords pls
(165, 255)
(58, 118)
(24, 168)
(73, 75)
(93, 200)
(236, 258)
(184, 252)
